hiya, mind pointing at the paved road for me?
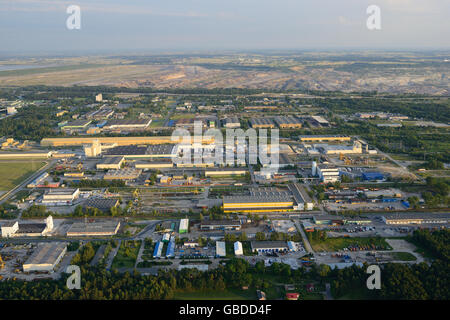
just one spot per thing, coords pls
(111, 256)
(98, 255)
(306, 243)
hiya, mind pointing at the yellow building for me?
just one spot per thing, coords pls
(316, 138)
(120, 141)
(253, 204)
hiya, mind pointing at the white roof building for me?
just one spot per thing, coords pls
(238, 251)
(220, 249)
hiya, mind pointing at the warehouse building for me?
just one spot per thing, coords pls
(58, 197)
(301, 197)
(225, 172)
(317, 138)
(416, 218)
(133, 152)
(372, 176)
(156, 163)
(328, 219)
(9, 228)
(127, 124)
(104, 204)
(259, 201)
(171, 248)
(327, 174)
(231, 123)
(356, 148)
(256, 204)
(214, 225)
(238, 250)
(127, 151)
(94, 229)
(319, 121)
(184, 226)
(110, 163)
(123, 174)
(161, 151)
(220, 249)
(262, 123)
(288, 122)
(120, 141)
(45, 257)
(269, 246)
(100, 114)
(16, 229)
(39, 180)
(81, 124)
(158, 249)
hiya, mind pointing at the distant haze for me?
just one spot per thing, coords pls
(113, 26)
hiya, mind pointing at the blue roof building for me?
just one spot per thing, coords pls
(370, 176)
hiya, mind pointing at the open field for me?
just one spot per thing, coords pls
(13, 173)
(336, 244)
(312, 71)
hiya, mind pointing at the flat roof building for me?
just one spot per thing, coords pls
(220, 225)
(45, 257)
(9, 228)
(120, 141)
(262, 123)
(225, 172)
(314, 138)
(319, 120)
(288, 122)
(110, 163)
(77, 124)
(416, 218)
(127, 124)
(231, 123)
(328, 174)
(184, 226)
(301, 197)
(123, 174)
(60, 196)
(96, 228)
(103, 204)
(154, 163)
(259, 200)
(269, 246)
(238, 250)
(220, 249)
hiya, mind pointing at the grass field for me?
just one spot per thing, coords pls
(12, 173)
(127, 254)
(335, 244)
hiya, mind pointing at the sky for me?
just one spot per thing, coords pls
(113, 26)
